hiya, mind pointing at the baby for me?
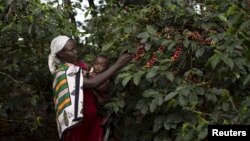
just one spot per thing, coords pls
(101, 64)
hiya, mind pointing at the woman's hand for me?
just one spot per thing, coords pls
(102, 77)
(123, 60)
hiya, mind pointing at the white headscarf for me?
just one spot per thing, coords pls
(56, 45)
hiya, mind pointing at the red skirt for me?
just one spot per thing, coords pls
(90, 128)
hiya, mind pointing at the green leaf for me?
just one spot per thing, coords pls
(202, 134)
(222, 17)
(109, 105)
(107, 46)
(229, 62)
(31, 19)
(198, 72)
(158, 123)
(182, 100)
(86, 14)
(211, 97)
(246, 102)
(225, 106)
(34, 100)
(120, 103)
(137, 77)
(150, 93)
(234, 20)
(152, 106)
(193, 98)
(166, 42)
(230, 10)
(126, 80)
(184, 91)
(30, 29)
(144, 109)
(160, 100)
(199, 91)
(122, 75)
(143, 35)
(152, 73)
(171, 104)
(214, 60)
(1, 7)
(115, 30)
(191, 10)
(7, 27)
(166, 126)
(128, 29)
(247, 80)
(199, 52)
(170, 96)
(147, 46)
(189, 136)
(3, 113)
(116, 109)
(157, 138)
(171, 45)
(144, 40)
(143, 106)
(245, 25)
(186, 42)
(169, 75)
(151, 30)
(140, 104)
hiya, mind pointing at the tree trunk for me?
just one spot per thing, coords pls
(248, 4)
(93, 7)
(8, 11)
(91, 4)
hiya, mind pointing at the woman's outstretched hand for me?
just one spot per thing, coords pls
(101, 78)
(123, 60)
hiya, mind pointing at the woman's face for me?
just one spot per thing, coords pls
(69, 53)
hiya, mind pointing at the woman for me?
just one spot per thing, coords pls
(76, 112)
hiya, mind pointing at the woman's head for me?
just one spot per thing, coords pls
(63, 49)
(69, 52)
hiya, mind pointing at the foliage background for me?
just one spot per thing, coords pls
(190, 68)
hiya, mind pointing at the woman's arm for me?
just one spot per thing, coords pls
(101, 78)
(103, 88)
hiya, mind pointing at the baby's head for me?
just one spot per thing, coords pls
(101, 63)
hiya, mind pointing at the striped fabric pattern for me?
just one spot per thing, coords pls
(61, 90)
(68, 96)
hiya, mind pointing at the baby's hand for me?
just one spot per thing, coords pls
(85, 73)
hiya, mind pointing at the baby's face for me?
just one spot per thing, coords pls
(101, 64)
